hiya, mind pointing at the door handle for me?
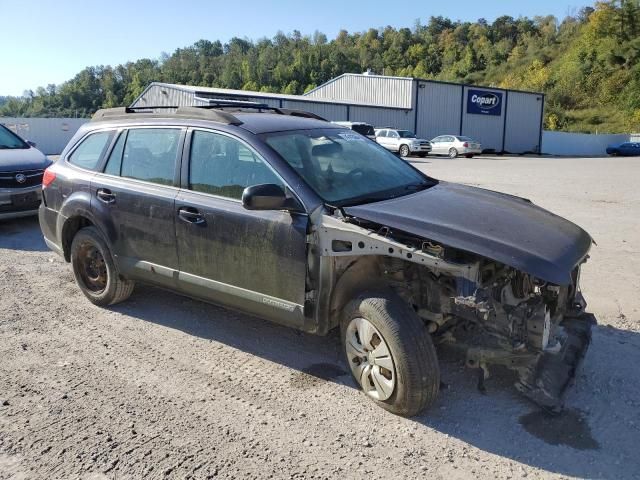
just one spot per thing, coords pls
(190, 215)
(105, 195)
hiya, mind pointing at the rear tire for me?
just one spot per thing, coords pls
(411, 367)
(404, 151)
(95, 271)
(453, 153)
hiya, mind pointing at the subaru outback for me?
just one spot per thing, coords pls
(310, 225)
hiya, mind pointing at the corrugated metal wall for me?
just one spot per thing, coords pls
(524, 112)
(439, 109)
(161, 95)
(51, 135)
(487, 129)
(373, 89)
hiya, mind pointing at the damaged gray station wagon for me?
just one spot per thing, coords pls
(283, 215)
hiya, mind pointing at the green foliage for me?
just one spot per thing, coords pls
(588, 65)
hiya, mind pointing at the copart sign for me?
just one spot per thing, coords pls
(484, 103)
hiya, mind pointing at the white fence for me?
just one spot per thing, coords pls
(579, 144)
(49, 134)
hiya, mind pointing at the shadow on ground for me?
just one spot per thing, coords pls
(22, 234)
(596, 436)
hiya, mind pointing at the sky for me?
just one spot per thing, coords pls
(45, 42)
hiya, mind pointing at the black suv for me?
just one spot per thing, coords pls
(311, 225)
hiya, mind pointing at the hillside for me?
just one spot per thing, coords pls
(588, 65)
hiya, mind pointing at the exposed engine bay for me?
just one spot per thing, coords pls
(493, 313)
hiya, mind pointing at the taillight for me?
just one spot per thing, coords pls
(465, 144)
(48, 178)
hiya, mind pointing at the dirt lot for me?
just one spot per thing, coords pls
(166, 387)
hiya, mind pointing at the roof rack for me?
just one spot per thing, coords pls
(128, 113)
(213, 112)
(241, 104)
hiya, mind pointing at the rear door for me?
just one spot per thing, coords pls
(135, 198)
(436, 145)
(255, 261)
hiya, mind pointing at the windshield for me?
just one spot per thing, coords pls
(345, 168)
(363, 129)
(465, 139)
(406, 134)
(9, 140)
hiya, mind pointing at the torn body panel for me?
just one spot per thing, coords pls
(494, 313)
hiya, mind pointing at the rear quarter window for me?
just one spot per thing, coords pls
(87, 155)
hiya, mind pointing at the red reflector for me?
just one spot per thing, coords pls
(48, 178)
(465, 144)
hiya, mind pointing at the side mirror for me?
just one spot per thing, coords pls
(268, 196)
(33, 144)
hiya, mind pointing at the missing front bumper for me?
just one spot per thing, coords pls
(547, 380)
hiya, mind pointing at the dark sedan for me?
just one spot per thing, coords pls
(627, 149)
(21, 170)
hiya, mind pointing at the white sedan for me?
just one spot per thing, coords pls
(454, 145)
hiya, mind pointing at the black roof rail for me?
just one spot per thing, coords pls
(220, 104)
(128, 113)
(214, 111)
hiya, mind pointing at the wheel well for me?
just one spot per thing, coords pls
(69, 230)
(360, 273)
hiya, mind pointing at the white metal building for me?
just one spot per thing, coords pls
(502, 120)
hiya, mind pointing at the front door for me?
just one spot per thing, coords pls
(255, 261)
(136, 194)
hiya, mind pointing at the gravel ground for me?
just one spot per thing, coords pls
(165, 387)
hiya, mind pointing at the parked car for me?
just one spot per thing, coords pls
(454, 145)
(627, 149)
(403, 142)
(21, 168)
(360, 127)
(295, 220)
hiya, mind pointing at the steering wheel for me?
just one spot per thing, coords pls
(356, 172)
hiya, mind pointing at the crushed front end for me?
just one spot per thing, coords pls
(493, 313)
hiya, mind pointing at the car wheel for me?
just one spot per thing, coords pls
(453, 153)
(469, 156)
(404, 151)
(95, 271)
(390, 353)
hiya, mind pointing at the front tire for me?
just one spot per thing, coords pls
(390, 353)
(453, 153)
(404, 150)
(95, 271)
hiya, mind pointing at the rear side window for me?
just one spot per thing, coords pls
(363, 129)
(223, 166)
(90, 151)
(149, 154)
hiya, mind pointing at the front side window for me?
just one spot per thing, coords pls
(149, 154)
(90, 151)
(406, 134)
(223, 166)
(344, 168)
